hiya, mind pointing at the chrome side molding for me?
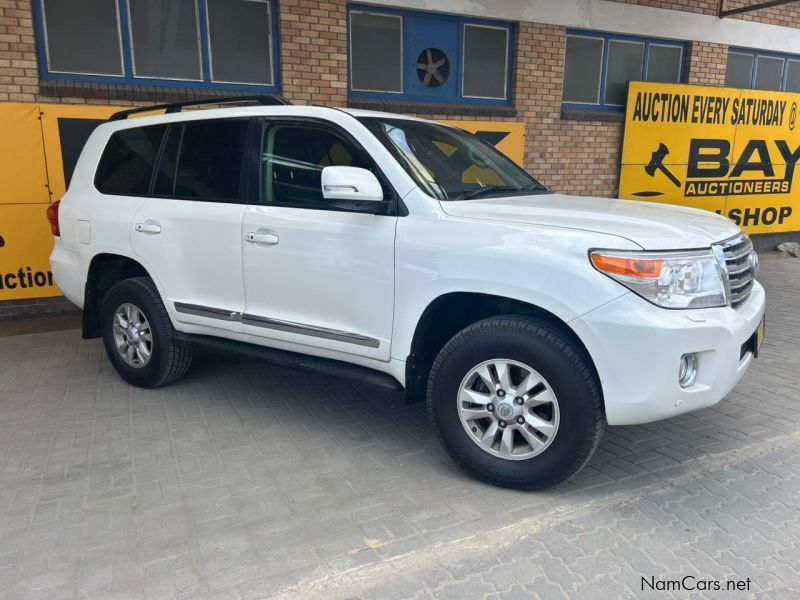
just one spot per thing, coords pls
(277, 324)
(206, 311)
(320, 332)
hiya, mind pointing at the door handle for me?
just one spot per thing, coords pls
(148, 227)
(262, 238)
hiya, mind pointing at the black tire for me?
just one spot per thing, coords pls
(566, 368)
(170, 358)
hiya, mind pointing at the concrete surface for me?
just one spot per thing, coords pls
(247, 480)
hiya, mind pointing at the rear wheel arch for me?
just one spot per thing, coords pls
(105, 270)
(450, 313)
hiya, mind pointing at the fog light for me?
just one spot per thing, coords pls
(687, 373)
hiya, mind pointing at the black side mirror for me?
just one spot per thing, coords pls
(2, 241)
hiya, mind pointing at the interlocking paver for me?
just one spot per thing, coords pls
(248, 480)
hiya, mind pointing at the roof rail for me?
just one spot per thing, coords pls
(176, 107)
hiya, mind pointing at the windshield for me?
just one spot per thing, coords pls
(451, 164)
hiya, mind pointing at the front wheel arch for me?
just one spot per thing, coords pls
(450, 313)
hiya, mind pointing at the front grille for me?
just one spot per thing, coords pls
(740, 266)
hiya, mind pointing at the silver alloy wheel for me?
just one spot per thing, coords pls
(132, 335)
(508, 409)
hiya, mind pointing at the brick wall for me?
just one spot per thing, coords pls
(787, 15)
(314, 51)
(706, 63)
(568, 155)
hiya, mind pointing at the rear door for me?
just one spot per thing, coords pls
(188, 233)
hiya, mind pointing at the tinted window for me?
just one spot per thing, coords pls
(625, 60)
(209, 162)
(485, 61)
(739, 71)
(769, 73)
(293, 159)
(165, 177)
(664, 63)
(376, 52)
(126, 166)
(82, 37)
(584, 63)
(240, 39)
(164, 38)
(793, 76)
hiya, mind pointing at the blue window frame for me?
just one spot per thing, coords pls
(428, 57)
(201, 44)
(754, 69)
(598, 67)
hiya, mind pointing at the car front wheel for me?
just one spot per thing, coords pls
(515, 401)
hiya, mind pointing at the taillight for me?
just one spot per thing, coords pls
(52, 216)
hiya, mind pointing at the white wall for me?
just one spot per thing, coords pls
(617, 17)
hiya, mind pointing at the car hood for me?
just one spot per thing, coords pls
(650, 225)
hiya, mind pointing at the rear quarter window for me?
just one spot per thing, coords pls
(126, 166)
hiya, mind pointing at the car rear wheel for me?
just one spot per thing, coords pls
(138, 335)
(515, 401)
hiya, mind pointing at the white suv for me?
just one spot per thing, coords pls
(402, 251)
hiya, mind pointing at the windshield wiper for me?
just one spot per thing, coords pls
(491, 189)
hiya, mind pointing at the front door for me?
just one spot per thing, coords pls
(315, 276)
(188, 233)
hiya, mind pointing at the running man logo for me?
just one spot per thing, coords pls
(726, 150)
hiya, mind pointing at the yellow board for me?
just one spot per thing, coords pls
(51, 113)
(22, 167)
(508, 137)
(720, 149)
(24, 254)
(31, 176)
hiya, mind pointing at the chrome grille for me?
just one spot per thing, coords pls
(740, 266)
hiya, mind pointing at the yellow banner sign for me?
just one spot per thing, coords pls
(721, 149)
(508, 137)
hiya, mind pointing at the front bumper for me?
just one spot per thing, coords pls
(636, 348)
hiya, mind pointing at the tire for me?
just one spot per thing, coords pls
(576, 418)
(169, 358)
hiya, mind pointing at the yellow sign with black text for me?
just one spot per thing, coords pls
(40, 144)
(731, 151)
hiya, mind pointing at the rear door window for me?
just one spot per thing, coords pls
(202, 160)
(126, 166)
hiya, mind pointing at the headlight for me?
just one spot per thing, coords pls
(670, 279)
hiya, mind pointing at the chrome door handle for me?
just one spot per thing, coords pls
(148, 227)
(262, 238)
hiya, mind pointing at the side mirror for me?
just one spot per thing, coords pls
(351, 184)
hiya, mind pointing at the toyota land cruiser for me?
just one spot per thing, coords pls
(406, 252)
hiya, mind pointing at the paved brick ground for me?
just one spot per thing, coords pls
(246, 480)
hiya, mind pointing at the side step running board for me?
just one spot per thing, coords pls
(336, 368)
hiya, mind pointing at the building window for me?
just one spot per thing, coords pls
(749, 69)
(428, 57)
(225, 44)
(598, 67)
